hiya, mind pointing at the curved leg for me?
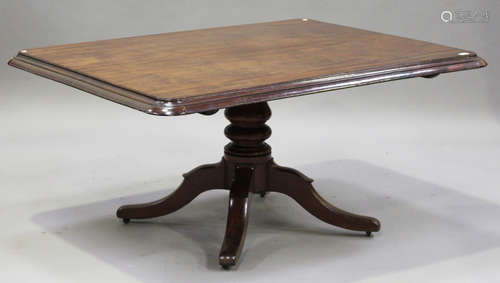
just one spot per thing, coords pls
(237, 217)
(296, 185)
(197, 181)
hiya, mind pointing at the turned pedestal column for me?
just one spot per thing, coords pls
(247, 167)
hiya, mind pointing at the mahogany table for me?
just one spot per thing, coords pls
(240, 68)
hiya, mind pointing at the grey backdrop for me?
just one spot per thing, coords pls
(423, 150)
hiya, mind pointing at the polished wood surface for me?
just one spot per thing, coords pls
(202, 70)
(200, 179)
(240, 68)
(237, 217)
(248, 168)
(296, 185)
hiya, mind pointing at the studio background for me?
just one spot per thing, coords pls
(419, 154)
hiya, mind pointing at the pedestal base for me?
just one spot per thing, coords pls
(247, 168)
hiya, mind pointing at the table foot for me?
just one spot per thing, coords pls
(197, 181)
(237, 217)
(296, 185)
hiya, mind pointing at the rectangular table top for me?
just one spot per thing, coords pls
(202, 70)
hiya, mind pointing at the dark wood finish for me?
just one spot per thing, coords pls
(237, 217)
(296, 185)
(209, 112)
(240, 68)
(247, 167)
(204, 70)
(248, 132)
(201, 179)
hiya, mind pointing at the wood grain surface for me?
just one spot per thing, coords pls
(192, 71)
